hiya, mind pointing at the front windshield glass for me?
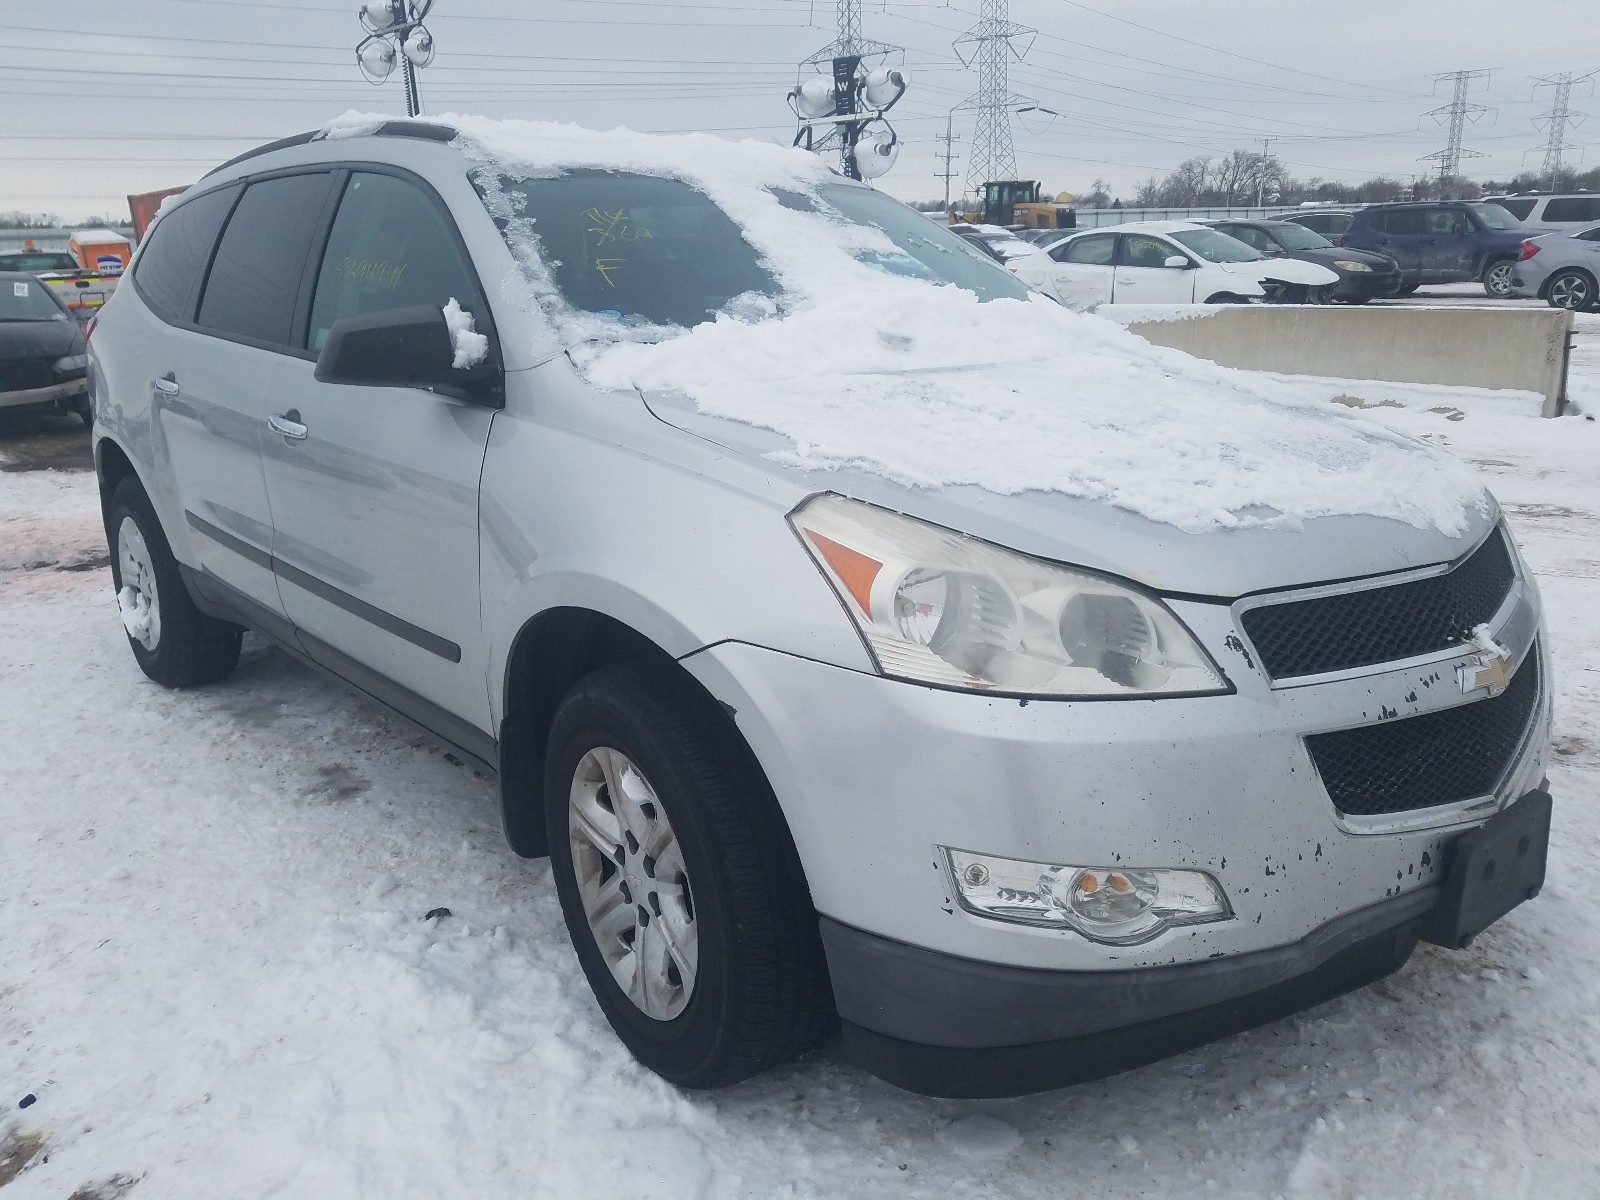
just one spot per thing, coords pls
(37, 260)
(1216, 246)
(28, 300)
(1494, 216)
(1297, 237)
(647, 250)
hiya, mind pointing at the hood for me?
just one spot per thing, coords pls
(1289, 270)
(1223, 563)
(39, 339)
(1327, 256)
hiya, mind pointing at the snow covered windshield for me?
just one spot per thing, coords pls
(1216, 247)
(655, 251)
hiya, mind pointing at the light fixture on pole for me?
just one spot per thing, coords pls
(836, 110)
(395, 37)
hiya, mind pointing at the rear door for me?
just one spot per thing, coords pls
(1085, 270)
(207, 378)
(375, 504)
(1398, 232)
(1142, 276)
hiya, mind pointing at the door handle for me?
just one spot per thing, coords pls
(288, 425)
(167, 385)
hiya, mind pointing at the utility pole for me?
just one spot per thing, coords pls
(1455, 115)
(847, 101)
(949, 139)
(989, 44)
(1261, 174)
(1557, 119)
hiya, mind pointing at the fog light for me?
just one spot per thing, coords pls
(1115, 905)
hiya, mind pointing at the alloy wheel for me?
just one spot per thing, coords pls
(1571, 291)
(1497, 279)
(632, 882)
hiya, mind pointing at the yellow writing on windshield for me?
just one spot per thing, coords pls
(613, 226)
(606, 266)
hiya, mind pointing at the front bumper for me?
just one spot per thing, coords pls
(1369, 285)
(60, 395)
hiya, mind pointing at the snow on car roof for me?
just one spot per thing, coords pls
(931, 387)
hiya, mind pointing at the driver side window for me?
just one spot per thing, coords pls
(390, 247)
(1141, 250)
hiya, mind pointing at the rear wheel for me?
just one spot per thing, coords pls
(1572, 289)
(174, 643)
(681, 890)
(1497, 278)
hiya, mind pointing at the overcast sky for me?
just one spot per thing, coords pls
(103, 98)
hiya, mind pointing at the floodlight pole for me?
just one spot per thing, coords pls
(408, 68)
(844, 105)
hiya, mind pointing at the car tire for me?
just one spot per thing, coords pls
(174, 643)
(681, 889)
(1497, 278)
(1228, 298)
(1573, 290)
(1320, 295)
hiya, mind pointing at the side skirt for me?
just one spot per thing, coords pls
(218, 599)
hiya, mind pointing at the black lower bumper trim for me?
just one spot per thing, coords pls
(979, 1072)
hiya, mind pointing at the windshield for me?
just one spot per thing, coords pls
(655, 251)
(1298, 237)
(1495, 217)
(28, 300)
(37, 260)
(1215, 246)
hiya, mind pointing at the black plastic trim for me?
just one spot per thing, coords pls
(386, 621)
(426, 130)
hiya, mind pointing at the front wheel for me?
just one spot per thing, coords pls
(681, 890)
(1321, 295)
(174, 643)
(1497, 278)
(1572, 290)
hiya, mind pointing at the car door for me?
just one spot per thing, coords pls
(374, 490)
(1449, 245)
(207, 383)
(1084, 271)
(1143, 277)
(1398, 232)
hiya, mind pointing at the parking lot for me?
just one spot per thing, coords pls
(227, 982)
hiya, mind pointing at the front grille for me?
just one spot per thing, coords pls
(1382, 624)
(1421, 762)
(25, 374)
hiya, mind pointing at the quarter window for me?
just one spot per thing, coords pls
(255, 278)
(168, 275)
(390, 247)
(1401, 221)
(1573, 208)
(1096, 250)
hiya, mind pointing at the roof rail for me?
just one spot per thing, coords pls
(427, 130)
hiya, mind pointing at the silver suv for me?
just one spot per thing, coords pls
(1020, 784)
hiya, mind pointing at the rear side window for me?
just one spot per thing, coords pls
(1398, 220)
(1096, 250)
(1518, 206)
(255, 277)
(390, 247)
(168, 275)
(1573, 208)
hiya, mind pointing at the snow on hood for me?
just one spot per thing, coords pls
(931, 388)
(1290, 270)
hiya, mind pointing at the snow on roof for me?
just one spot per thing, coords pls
(99, 237)
(928, 386)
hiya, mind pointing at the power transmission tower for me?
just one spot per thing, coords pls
(1455, 115)
(989, 44)
(949, 156)
(1556, 121)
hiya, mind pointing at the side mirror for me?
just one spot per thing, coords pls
(1176, 261)
(403, 347)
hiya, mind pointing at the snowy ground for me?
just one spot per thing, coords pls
(216, 980)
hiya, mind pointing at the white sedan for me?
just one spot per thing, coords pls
(1166, 262)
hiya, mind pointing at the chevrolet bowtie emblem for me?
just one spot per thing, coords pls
(1490, 671)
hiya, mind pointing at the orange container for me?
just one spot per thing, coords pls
(101, 251)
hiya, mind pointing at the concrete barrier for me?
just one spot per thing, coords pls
(1524, 349)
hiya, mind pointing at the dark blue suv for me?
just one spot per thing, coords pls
(1445, 242)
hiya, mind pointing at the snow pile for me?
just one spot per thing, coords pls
(930, 387)
(471, 347)
(135, 609)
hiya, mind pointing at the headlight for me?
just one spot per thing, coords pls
(1345, 264)
(1115, 905)
(72, 362)
(936, 607)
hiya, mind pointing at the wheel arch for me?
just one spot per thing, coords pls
(550, 653)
